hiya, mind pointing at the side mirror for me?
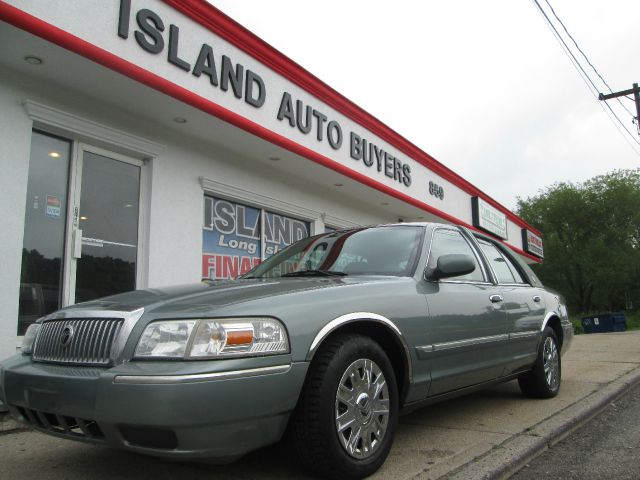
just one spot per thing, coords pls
(452, 265)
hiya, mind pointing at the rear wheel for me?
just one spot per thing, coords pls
(345, 420)
(543, 381)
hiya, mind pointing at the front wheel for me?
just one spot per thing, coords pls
(543, 381)
(345, 420)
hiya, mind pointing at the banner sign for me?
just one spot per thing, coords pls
(232, 242)
(281, 231)
(488, 218)
(532, 243)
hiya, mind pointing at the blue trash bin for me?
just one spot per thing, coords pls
(604, 322)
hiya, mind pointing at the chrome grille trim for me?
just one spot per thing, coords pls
(91, 343)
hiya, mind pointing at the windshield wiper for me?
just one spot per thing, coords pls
(315, 273)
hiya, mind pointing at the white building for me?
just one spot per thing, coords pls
(154, 142)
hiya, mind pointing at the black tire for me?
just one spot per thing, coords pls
(543, 381)
(313, 428)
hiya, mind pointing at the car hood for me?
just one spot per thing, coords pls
(196, 299)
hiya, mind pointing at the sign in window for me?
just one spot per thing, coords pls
(234, 239)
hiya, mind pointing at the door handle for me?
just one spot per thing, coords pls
(77, 243)
(495, 298)
(536, 298)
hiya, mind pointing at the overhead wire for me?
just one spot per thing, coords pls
(586, 58)
(588, 81)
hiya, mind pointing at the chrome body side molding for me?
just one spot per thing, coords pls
(471, 342)
(199, 377)
(528, 333)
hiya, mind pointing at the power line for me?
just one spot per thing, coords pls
(581, 71)
(585, 56)
(568, 51)
(618, 128)
(587, 79)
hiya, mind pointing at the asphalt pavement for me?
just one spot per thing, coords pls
(487, 435)
(605, 447)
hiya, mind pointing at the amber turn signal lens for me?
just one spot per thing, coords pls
(240, 337)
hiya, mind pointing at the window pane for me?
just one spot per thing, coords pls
(514, 270)
(446, 242)
(230, 239)
(497, 261)
(109, 212)
(44, 229)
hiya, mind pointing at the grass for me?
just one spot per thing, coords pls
(633, 321)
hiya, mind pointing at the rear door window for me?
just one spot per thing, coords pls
(501, 264)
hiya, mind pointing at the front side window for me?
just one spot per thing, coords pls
(446, 242)
(365, 251)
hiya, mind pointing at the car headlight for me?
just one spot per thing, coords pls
(213, 338)
(29, 339)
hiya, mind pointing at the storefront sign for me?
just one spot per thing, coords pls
(488, 218)
(532, 243)
(370, 154)
(436, 190)
(155, 36)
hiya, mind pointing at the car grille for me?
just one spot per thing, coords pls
(77, 341)
(61, 424)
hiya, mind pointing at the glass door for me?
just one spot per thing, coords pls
(41, 283)
(106, 226)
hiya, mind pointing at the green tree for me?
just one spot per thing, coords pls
(591, 237)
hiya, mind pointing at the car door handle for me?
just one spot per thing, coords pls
(536, 299)
(495, 298)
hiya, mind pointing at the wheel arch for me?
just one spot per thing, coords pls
(378, 328)
(552, 319)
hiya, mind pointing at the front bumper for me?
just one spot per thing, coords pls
(184, 410)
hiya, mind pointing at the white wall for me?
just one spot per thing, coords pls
(15, 141)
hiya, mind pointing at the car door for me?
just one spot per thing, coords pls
(523, 303)
(466, 329)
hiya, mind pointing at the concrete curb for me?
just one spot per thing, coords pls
(505, 459)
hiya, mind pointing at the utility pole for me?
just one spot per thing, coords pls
(636, 95)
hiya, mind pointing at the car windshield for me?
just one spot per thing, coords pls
(389, 250)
